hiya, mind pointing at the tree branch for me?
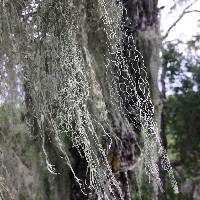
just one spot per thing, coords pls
(192, 11)
(185, 11)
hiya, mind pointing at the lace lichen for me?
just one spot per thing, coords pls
(60, 81)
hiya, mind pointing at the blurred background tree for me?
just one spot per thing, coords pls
(182, 113)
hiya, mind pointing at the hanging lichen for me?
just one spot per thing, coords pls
(62, 92)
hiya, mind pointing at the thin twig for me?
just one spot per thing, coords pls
(192, 11)
(185, 11)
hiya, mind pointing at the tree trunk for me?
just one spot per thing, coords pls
(94, 43)
(143, 23)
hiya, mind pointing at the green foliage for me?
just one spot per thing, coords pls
(143, 190)
(183, 116)
(172, 60)
(182, 112)
(183, 108)
(182, 69)
(169, 194)
(38, 197)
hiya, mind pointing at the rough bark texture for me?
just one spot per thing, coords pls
(143, 23)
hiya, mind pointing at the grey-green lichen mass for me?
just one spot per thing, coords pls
(87, 99)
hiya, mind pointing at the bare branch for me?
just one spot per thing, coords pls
(185, 11)
(175, 41)
(192, 11)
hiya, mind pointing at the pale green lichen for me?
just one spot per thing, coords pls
(67, 100)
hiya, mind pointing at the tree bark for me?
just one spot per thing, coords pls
(143, 23)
